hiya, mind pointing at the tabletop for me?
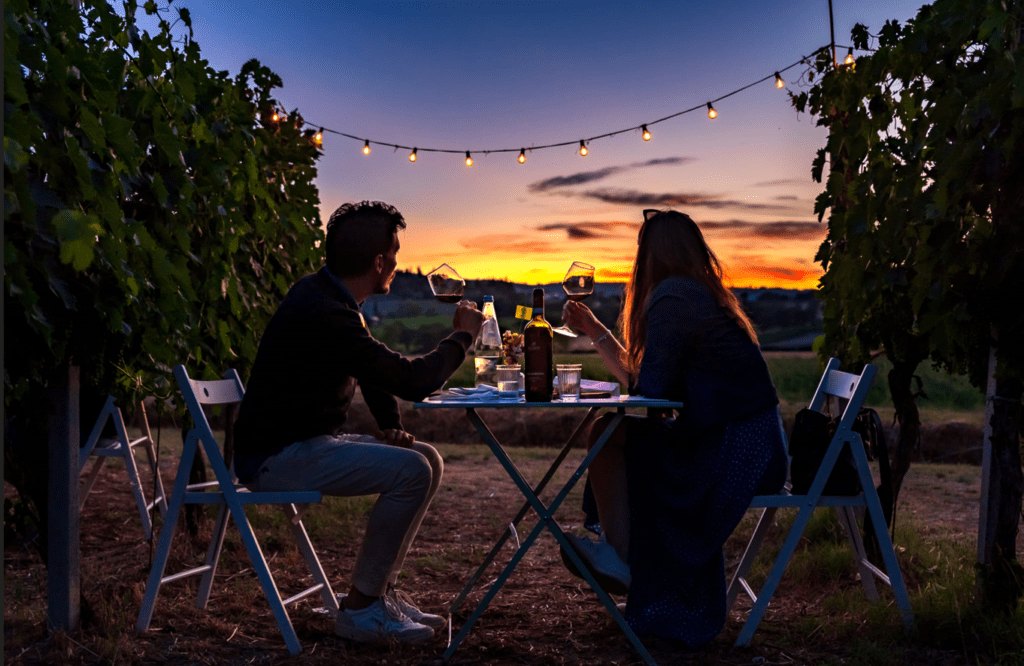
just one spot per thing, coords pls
(437, 402)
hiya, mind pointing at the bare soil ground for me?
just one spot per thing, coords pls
(543, 615)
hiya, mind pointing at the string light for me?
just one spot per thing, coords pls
(275, 118)
(583, 150)
(849, 57)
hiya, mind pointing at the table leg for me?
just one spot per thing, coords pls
(546, 515)
(591, 416)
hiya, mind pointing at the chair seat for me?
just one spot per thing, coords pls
(783, 500)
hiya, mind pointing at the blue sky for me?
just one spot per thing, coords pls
(493, 75)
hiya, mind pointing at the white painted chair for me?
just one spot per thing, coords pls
(121, 446)
(232, 500)
(852, 389)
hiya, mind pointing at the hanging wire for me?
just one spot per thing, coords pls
(774, 76)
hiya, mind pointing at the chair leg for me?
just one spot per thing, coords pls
(259, 564)
(848, 519)
(892, 565)
(163, 547)
(775, 575)
(764, 523)
(136, 485)
(312, 561)
(159, 496)
(90, 480)
(213, 555)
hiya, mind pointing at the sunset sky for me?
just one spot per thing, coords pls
(483, 76)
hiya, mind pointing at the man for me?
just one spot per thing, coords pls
(288, 435)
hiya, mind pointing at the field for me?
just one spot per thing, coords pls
(543, 615)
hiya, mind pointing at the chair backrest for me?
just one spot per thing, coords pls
(845, 386)
(211, 392)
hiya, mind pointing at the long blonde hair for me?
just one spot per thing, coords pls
(670, 244)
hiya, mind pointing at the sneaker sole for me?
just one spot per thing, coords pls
(367, 636)
(608, 583)
(436, 624)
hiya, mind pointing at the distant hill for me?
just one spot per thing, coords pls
(784, 318)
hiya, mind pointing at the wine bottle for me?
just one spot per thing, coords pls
(540, 361)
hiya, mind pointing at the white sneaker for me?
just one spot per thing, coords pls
(404, 603)
(380, 621)
(609, 570)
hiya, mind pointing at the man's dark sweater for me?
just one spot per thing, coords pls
(313, 353)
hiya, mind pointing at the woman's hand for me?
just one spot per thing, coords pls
(578, 317)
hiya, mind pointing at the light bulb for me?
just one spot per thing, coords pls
(849, 57)
(366, 147)
(779, 83)
(412, 155)
(318, 138)
(646, 134)
(522, 156)
(275, 117)
(469, 160)
(712, 114)
(583, 149)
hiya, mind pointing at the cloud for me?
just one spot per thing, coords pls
(781, 181)
(588, 230)
(580, 178)
(787, 197)
(584, 177)
(657, 200)
(787, 229)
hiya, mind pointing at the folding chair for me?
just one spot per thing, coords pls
(853, 389)
(232, 499)
(103, 448)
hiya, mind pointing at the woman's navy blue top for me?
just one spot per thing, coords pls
(696, 353)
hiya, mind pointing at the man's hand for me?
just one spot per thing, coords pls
(395, 437)
(468, 318)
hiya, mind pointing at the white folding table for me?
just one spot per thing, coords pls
(545, 513)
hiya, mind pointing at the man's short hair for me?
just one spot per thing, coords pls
(357, 233)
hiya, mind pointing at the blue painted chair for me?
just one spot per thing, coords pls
(121, 446)
(852, 389)
(232, 499)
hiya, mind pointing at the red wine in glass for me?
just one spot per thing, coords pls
(447, 285)
(577, 284)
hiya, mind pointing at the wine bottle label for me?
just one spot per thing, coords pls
(523, 312)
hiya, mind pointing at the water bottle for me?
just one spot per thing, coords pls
(488, 346)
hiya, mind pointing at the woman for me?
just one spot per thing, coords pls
(670, 491)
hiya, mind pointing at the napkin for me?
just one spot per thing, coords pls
(482, 392)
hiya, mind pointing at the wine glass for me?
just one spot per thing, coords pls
(578, 283)
(447, 285)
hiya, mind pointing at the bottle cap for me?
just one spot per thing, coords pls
(488, 299)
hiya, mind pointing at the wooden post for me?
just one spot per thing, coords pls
(64, 582)
(986, 527)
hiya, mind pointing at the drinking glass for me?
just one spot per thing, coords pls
(578, 283)
(569, 376)
(447, 285)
